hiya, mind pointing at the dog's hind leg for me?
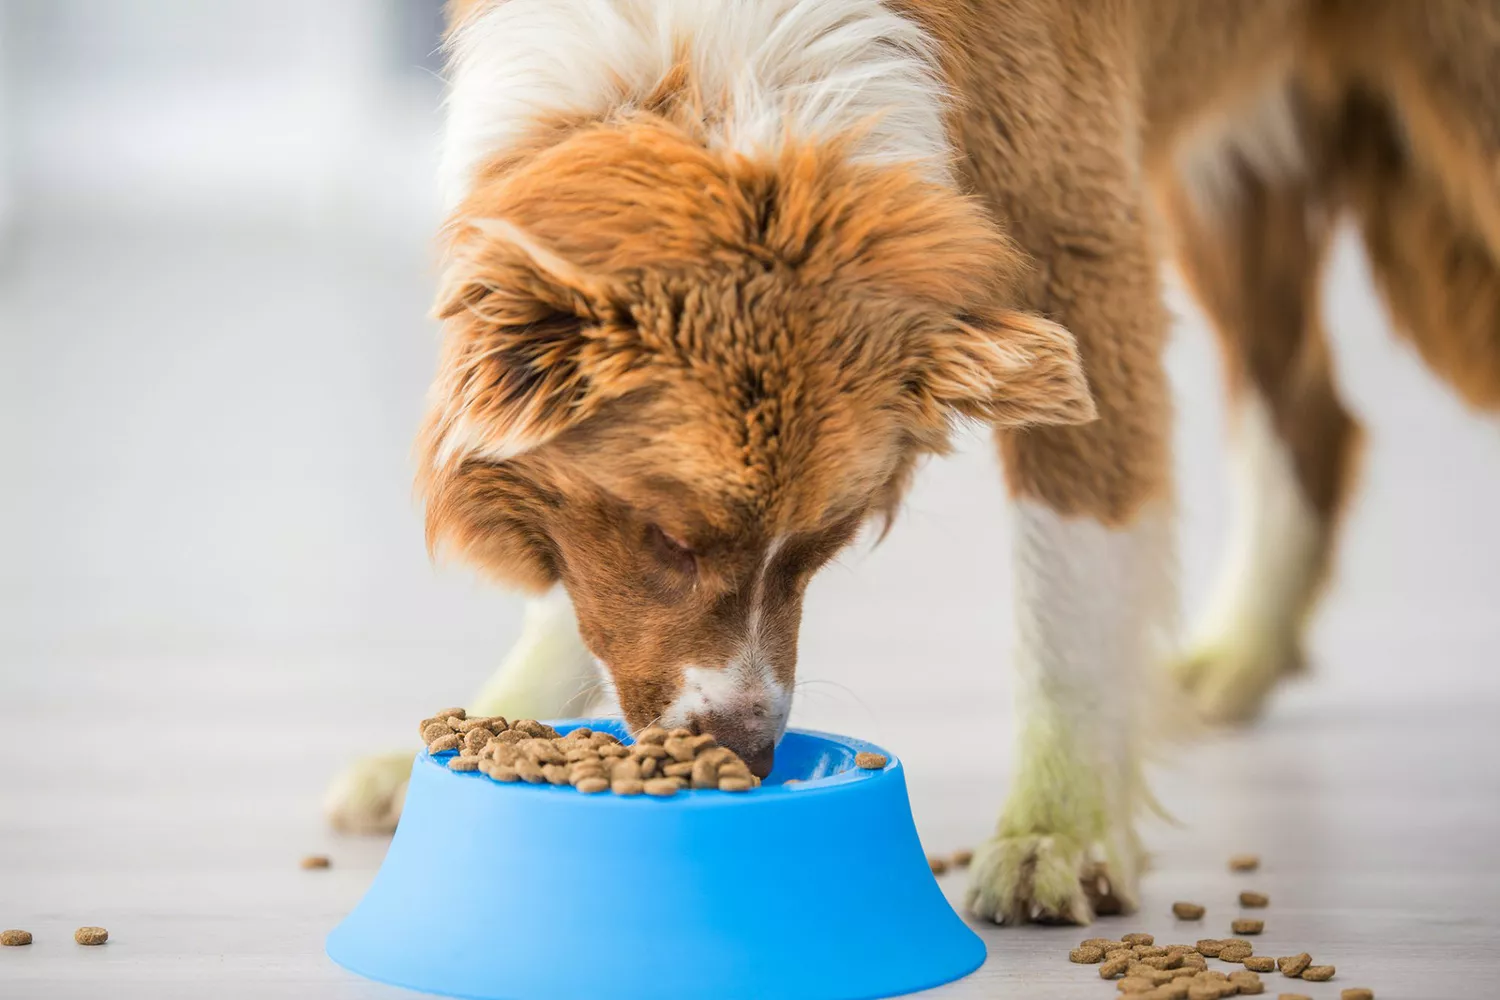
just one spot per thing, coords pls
(1095, 596)
(547, 674)
(1251, 237)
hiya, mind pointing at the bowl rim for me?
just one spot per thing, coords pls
(843, 780)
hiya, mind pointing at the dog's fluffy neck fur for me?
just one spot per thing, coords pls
(764, 73)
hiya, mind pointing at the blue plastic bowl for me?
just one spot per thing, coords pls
(813, 891)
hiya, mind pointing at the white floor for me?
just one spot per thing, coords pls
(213, 594)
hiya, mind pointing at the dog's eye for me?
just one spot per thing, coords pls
(671, 551)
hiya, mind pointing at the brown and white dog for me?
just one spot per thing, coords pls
(721, 272)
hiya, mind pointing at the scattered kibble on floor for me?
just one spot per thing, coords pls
(1244, 863)
(14, 939)
(91, 935)
(962, 858)
(938, 865)
(1144, 970)
(316, 861)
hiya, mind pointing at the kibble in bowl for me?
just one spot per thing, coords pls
(757, 877)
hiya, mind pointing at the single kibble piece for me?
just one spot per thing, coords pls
(1086, 955)
(1188, 911)
(1245, 925)
(939, 866)
(735, 785)
(652, 736)
(444, 743)
(592, 786)
(1357, 993)
(1200, 990)
(1248, 982)
(627, 786)
(961, 859)
(1133, 939)
(91, 935)
(1149, 951)
(1103, 944)
(1291, 966)
(1209, 947)
(1254, 900)
(1260, 963)
(435, 730)
(867, 761)
(1293, 996)
(1244, 863)
(663, 787)
(1235, 952)
(1135, 984)
(1114, 968)
(316, 861)
(1318, 973)
(463, 763)
(14, 939)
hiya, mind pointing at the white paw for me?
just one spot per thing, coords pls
(367, 798)
(1050, 879)
(1229, 681)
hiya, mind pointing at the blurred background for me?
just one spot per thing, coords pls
(216, 261)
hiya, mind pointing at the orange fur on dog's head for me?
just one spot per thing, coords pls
(678, 380)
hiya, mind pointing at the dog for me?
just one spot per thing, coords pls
(721, 273)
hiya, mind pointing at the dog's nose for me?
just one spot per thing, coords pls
(748, 736)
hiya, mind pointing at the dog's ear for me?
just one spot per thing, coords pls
(1003, 368)
(532, 346)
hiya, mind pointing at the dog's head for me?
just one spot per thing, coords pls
(678, 380)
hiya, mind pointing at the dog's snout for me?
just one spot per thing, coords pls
(745, 733)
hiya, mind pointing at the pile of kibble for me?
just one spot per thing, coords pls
(1144, 970)
(660, 762)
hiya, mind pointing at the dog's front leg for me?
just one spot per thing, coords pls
(1095, 605)
(547, 674)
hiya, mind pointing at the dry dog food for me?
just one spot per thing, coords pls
(1134, 939)
(1188, 911)
(1244, 925)
(14, 939)
(1357, 993)
(660, 763)
(316, 861)
(963, 858)
(1260, 963)
(1235, 952)
(939, 866)
(1291, 966)
(1254, 900)
(1248, 982)
(1086, 954)
(868, 761)
(91, 935)
(1114, 968)
(1244, 863)
(1292, 996)
(1318, 973)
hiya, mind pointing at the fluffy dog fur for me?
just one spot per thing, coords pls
(721, 272)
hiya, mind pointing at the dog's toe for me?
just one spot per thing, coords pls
(367, 798)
